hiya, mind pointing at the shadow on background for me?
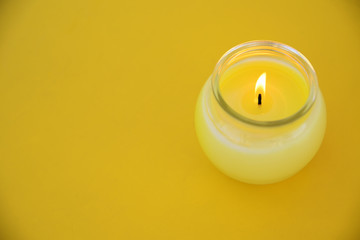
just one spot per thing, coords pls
(4, 231)
(356, 3)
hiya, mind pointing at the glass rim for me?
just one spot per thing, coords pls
(265, 45)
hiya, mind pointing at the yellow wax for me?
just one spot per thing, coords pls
(253, 154)
(285, 92)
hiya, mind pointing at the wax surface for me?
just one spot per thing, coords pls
(285, 93)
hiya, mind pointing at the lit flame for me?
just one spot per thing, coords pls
(260, 84)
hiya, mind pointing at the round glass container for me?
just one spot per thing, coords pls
(268, 143)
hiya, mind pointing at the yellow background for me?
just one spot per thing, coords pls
(97, 137)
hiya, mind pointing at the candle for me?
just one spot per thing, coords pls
(260, 118)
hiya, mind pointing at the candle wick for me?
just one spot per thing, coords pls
(259, 99)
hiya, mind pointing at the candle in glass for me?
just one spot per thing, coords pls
(260, 118)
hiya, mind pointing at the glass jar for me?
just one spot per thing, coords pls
(249, 147)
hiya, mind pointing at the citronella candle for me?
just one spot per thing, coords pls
(260, 118)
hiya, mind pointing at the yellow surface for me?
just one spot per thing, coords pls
(97, 138)
(284, 94)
